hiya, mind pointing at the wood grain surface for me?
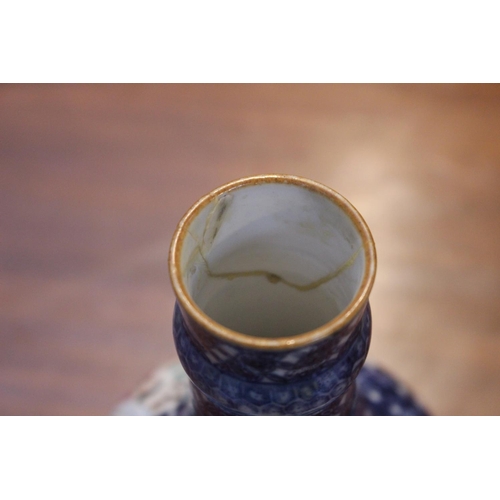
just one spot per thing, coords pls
(94, 179)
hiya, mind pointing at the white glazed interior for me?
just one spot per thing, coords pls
(272, 260)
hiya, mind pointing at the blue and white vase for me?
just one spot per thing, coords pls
(272, 276)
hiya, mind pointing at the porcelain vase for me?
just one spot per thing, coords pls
(272, 276)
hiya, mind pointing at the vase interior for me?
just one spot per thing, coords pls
(272, 259)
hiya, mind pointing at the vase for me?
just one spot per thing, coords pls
(272, 276)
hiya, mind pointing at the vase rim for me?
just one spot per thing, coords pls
(355, 306)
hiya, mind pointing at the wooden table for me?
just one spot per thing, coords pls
(94, 179)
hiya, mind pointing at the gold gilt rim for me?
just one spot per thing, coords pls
(264, 343)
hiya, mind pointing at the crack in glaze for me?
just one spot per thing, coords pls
(221, 205)
(275, 278)
(220, 209)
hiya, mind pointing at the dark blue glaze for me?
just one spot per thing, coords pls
(379, 394)
(279, 382)
(229, 379)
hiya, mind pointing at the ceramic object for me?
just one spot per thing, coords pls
(167, 392)
(272, 276)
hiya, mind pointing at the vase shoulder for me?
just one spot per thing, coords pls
(168, 392)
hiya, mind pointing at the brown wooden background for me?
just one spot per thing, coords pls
(94, 179)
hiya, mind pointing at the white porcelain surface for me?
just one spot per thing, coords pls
(272, 260)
